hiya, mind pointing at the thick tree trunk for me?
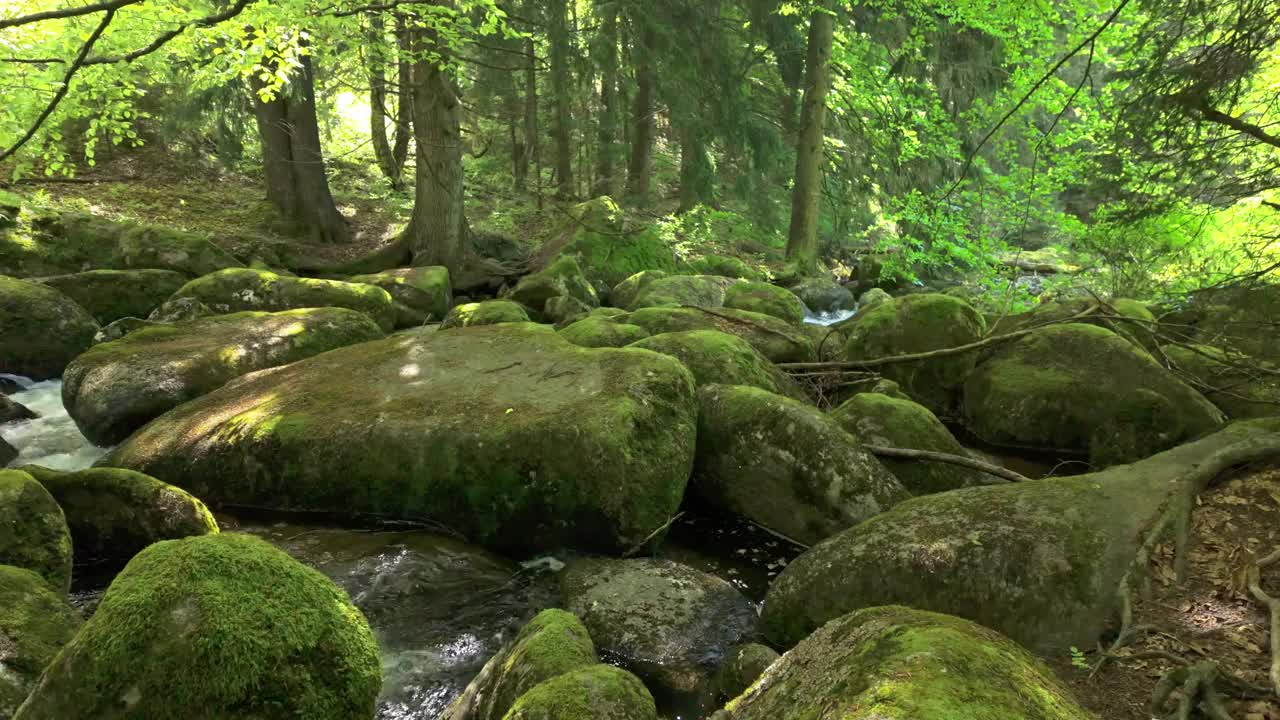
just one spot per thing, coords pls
(697, 175)
(292, 160)
(437, 230)
(404, 104)
(377, 65)
(560, 88)
(608, 123)
(530, 146)
(802, 241)
(639, 165)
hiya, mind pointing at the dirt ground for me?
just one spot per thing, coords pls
(1210, 617)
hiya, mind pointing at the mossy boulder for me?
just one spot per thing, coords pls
(823, 295)
(742, 667)
(724, 266)
(917, 324)
(117, 387)
(507, 433)
(873, 297)
(109, 295)
(42, 329)
(717, 358)
(896, 662)
(1082, 388)
(35, 622)
(761, 297)
(229, 627)
(1041, 562)
(113, 514)
(777, 340)
(33, 530)
(179, 309)
(596, 234)
(1129, 319)
(239, 289)
(668, 623)
(562, 310)
(891, 422)
(561, 278)
(624, 294)
(704, 291)
(1242, 317)
(1231, 382)
(786, 465)
(553, 643)
(420, 294)
(598, 692)
(595, 332)
(489, 312)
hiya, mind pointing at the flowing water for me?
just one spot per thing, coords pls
(51, 440)
(828, 318)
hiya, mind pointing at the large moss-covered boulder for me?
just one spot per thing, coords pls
(238, 289)
(553, 643)
(41, 329)
(882, 420)
(489, 312)
(822, 295)
(420, 294)
(561, 278)
(35, 622)
(724, 266)
(117, 387)
(1129, 319)
(624, 294)
(761, 297)
(1083, 388)
(598, 692)
(704, 291)
(229, 626)
(109, 295)
(1041, 562)
(507, 433)
(917, 324)
(668, 623)
(1241, 317)
(1239, 385)
(786, 465)
(717, 358)
(33, 531)
(776, 339)
(608, 250)
(896, 662)
(113, 514)
(599, 331)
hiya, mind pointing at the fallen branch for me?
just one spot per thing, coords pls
(1273, 607)
(948, 458)
(635, 549)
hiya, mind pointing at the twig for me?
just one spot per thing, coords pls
(640, 545)
(961, 460)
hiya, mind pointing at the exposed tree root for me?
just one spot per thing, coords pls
(1198, 686)
(961, 460)
(1273, 607)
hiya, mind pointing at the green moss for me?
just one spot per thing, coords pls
(598, 692)
(742, 667)
(714, 357)
(489, 312)
(624, 294)
(916, 324)
(1226, 380)
(109, 295)
(42, 329)
(767, 299)
(238, 289)
(598, 332)
(33, 532)
(35, 622)
(704, 291)
(113, 514)
(562, 277)
(420, 294)
(725, 266)
(230, 626)
(775, 339)
(609, 251)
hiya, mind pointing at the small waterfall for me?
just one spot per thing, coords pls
(52, 439)
(828, 318)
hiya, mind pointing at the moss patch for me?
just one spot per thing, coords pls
(766, 299)
(420, 294)
(775, 339)
(624, 294)
(1238, 392)
(239, 289)
(33, 532)
(562, 278)
(42, 329)
(602, 332)
(704, 291)
(35, 622)
(489, 312)
(599, 692)
(715, 357)
(109, 295)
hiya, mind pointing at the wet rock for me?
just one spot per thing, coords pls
(239, 289)
(822, 295)
(704, 291)
(109, 295)
(113, 514)
(602, 332)
(507, 433)
(35, 622)
(890, 422)
(489, 312)
(666, 622)
(777, 340)
(599, 692)
(720, 358)
(890, 662)
(742, 667)
(1083, 388)
(117, 387)
(33, 531)
(8, 453)
(761, 297)
(42, 329)
(229, 625)
(11, 411)
(420, 294)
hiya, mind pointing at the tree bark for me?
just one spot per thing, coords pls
(530, 146)
(560, 89)
(608, 123)
(293, 163)
(802, 240)
(697, 175)
(377, 66)
(437, 228)
(639, 167)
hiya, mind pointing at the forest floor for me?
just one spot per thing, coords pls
(1209, 617)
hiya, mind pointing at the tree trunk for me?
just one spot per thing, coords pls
(437, 229)
(404, 105)
(377, 62)
(639, 166)
(292, 160)
(802, 241)
(608, 124)
(560, 88)
(530, 146)
(697, 174)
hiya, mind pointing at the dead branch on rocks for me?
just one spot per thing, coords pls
(961, 460)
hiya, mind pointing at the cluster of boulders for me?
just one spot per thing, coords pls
(581, 409)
